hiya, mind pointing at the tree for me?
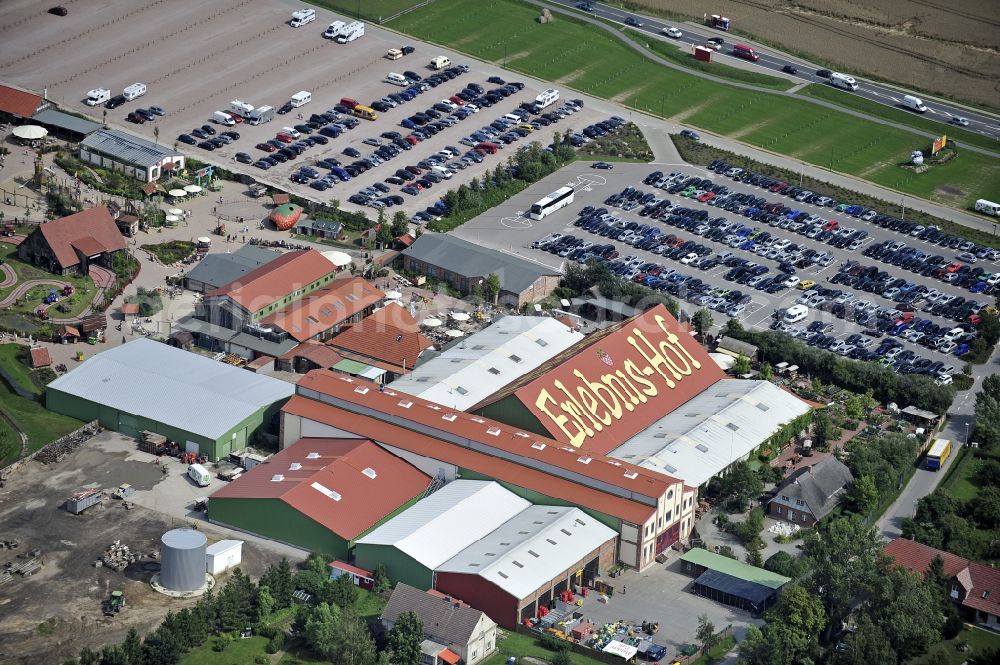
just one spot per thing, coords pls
(491, 287)
(405, 638)
(278, 579)
(854, 407)
(561, 658)
(822, 429)
(706, 634)
(766, 372)
(702, 321)
(986, 507)
(742, 365)
(908, 609)
(160, 647)
(133, 647)
(400, 224)
(265, 602)
(113, 654)
(384, 236)
(789, 565)
(847, 560)
(864, 495)
(382, 582)
(342, 591)
(156, 134)
(355, 645)
(790, 635)
(321, 630)
(867, 645)
(742, 485)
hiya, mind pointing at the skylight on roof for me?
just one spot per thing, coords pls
(277, 478)
(733, 426)
(461, 391)
(763, 407)
(346, 378)
(702, 447)
(538, 445)
(493, 370)
(518, 564)
(583, 460)
(541, 342)
(312, 456)
(534, 553)
(670, 469)
(523, 435)
(405, 403)
(516, 358)
(370, 472)
(566, 532)
(450, 417)
(477, 419)
(493, 431)
(503, 575)
(434, 406)
(326, 490)
(361, 390)
(390, 393)
(631, 475)
(294, 466)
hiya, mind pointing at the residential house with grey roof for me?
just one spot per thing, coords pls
(809, 494)
(120, 151)
(465, 265)
(217, 270)
(454, 631)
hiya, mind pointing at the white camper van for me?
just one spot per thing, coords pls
(988, 207)
(98, 96)
(261, 114)
(241, 109)
(844, 81)
(134, 91)
(350, 32)
(199, 475)
(914, 104)
(396, 79)
(223, 119)
(547, 97)
(301, 98)
(796, 313)
(440, 62)
(334, 29)
(302, 16)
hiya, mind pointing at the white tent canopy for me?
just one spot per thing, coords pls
(453, 333)
(177, 193)
(393, 295)
(432, 322)
(337, 258)
(459, 316)
(30, 132)
(194, 189)
(175, 211)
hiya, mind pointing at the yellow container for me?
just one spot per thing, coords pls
(79, 355)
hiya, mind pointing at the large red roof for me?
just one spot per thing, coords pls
(331, 481)
(918, 557)
(92, 231)
(390, 335)
(980, 582)
(276, 279)
(326, 307)
(494, 467)
(616, 385)
(985, 592)
(18, 102)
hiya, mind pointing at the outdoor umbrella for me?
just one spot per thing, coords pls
(393, 295)
(339, 259)
(173, 218)
(175, 211)
(30, 132)
(453, 333)
(193, 189)
(432, 322)
(177, 193)
(459, 316)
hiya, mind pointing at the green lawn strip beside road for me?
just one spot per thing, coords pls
(685, 57)
(959, 481)
(893, 114)
(519, 646)
(716, 652)
(236, 651)
(571, 53)
(371, 10)
(979, 641)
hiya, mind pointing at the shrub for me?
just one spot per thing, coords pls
(275, 643)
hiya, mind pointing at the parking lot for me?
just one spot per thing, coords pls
(840, 315)
(250, 53)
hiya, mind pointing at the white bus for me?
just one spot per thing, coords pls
(560, 198)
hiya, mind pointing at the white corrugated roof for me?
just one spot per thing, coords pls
(703, 436)
(435, 529)
(485, 362)
(531, 548)
(177, 388)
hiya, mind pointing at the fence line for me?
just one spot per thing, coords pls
(383, 21)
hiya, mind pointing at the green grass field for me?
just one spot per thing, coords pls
(960, 483)
(898, 115)
(41, 426)
(519, 646)
(371, 10)
(572, 54)
(979, 640)
(237, 651)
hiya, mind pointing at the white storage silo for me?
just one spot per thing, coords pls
(182, 559)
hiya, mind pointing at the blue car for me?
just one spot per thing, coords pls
(962, 349)
(341, 173)
(978, 287)
(409, 124)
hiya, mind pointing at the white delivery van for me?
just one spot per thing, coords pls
(302, 16)
(98, 96)
(443, 171)
(223, 118)
(547, 97)
(396, 79)
(240, 108)
(301, 98)
(988, 207)
(134, 91)
(199, 475)
(334, 29)
(796, 313)
(844, 81)
(350, 32)
(914, 104)
(440, 62)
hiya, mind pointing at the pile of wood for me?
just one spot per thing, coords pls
(27, 564)
(233, 359)
(10, 544)
(57, 450)
(151, 442)
(117, 557)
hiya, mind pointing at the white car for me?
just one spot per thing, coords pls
(673, 32)
(689, 258)
(960, 121)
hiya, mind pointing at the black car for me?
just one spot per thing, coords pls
(407, 50)
(824, 73)
(690, 134)
(58, 11)
(351, 152)
(285, 108)
(413, 76)
(634, 22)
(187, 138)
(115, 102)
(205, 145)
(235, 136)
(197, 131)
(789, 69)
(148, 115)
(320, 139)
(243, 158)
(208, 130)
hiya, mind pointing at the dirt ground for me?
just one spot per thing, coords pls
(54, 613)
(948, 48)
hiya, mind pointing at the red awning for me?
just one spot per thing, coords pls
(449, 657)
(70, 331)
(130, 308)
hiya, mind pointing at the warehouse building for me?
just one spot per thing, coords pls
(136, 157)
(732, 582)
(465, 265)
(205, 406)
(528, 561)
(478, 366)
(320, 494)
(429, 533)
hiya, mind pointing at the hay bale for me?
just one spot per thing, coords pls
(546, 17)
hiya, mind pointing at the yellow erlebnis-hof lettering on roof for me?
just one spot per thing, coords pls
(591, 406)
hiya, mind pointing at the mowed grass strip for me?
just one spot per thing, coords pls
(372, 10)
(570, 52)
(898, 115)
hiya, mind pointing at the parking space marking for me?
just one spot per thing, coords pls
(519, 223)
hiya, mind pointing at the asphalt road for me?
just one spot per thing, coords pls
(980, 123)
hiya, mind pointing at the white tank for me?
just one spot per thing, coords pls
(182, 559)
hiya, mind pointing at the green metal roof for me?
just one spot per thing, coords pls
(737, 569)
(349, 366)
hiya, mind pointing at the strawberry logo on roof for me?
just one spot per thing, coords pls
(605, 358)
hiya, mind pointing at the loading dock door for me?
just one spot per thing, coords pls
(128, 425)
(191, 447)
